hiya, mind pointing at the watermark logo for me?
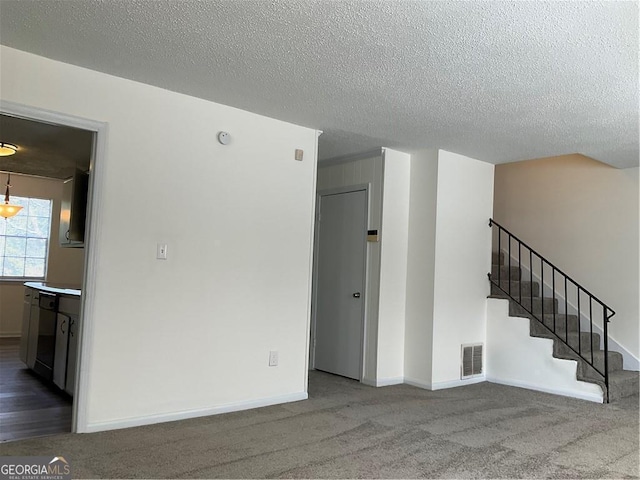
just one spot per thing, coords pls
(34, 468)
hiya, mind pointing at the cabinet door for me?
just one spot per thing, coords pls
(73, 210)
(60, 357)
(65, 212)
(24, 334)
(78, 208)
(71, 356)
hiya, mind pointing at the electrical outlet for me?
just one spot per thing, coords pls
(273, 358)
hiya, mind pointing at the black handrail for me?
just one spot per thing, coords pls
(567, 279)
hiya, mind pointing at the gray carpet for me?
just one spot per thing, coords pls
(348, 430)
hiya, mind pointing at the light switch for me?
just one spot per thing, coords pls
(299, 154)
(161, 251)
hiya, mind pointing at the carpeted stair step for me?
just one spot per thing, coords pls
(515, 289)
(614, 364)
(586, 371)
(568, 341)
(549, 304)
(504, 271)
(562, 323)
(623, 383)
(580, 344)
(584, 348)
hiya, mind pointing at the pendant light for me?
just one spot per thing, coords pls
(6, 209)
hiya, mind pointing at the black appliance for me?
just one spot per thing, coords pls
(45, 350)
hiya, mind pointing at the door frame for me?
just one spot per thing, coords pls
(366, 187)
(94, 222)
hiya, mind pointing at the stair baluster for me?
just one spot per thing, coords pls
(530, 309)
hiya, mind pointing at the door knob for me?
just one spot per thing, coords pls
(356, 295)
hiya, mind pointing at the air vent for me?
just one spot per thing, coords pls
(471, 364)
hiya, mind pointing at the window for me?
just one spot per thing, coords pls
(24, 240)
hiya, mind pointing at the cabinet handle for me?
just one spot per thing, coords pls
(62, 326)
(67, 235)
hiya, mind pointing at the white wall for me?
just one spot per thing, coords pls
(393, 267)
(361, 171)
(65, 265)
(462, 261)
(418, 339)
(190, 335)
(515, 358)
(583, 216)
(435, 256)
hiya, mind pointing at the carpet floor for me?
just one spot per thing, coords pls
(349, 430)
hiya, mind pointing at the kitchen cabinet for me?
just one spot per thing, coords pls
(72, 355)
(30, 324)
(69, 314)
(64, 305)
(60, 356)
(73, 210)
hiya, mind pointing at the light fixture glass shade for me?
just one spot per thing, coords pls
(8, 210)
(7, 149)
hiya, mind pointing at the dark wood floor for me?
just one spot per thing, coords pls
(29, 407)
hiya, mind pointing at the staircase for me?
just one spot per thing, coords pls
(556, 319)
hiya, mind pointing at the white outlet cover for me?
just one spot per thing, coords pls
(224, 138)
(273, 358)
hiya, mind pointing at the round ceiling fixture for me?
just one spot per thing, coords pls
(7, 149)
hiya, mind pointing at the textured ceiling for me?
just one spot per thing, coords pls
(498, 81)
(45, 150)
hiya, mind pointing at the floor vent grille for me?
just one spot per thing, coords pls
(471, 361)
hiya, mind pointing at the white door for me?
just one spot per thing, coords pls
(340, 269)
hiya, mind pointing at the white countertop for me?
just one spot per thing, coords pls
(60, 289)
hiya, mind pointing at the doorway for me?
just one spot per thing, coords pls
(73, 317)
(339, 266)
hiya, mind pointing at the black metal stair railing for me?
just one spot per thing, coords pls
(582, 301)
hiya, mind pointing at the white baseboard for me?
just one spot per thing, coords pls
(458, 383)
(417, 383)
(185, 414)
(385, 382)
(422, 384)
(592, 397)
(369, 381)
